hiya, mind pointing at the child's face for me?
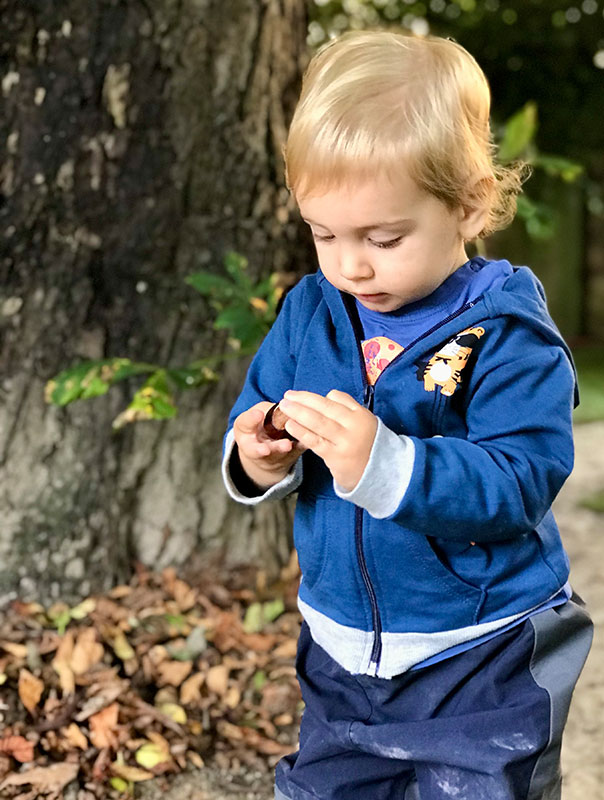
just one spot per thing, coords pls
(387, 245)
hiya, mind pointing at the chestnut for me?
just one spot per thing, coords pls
(274, 424)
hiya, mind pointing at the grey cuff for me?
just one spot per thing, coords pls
(277, 492)
(386, 477)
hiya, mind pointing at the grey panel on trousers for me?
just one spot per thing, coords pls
(563, 638)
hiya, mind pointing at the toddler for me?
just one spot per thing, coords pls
(430, 398)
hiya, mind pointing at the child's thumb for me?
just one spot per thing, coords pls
(249, 420)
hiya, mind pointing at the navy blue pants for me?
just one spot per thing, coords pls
(485, 724)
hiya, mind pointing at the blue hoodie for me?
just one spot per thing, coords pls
(449, 534)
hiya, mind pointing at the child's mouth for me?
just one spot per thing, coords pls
(371, 298)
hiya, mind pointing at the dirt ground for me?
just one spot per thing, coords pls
(583, 747)
(583, 534)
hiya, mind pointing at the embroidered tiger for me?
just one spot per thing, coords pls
(445, 367)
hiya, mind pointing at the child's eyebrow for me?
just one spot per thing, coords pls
(395, 223)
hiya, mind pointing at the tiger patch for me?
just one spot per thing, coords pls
(445, 367)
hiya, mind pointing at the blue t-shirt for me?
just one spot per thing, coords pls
(408, 323)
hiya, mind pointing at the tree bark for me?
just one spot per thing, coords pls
(143, 140)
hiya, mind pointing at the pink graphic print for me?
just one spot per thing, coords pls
(378, 352)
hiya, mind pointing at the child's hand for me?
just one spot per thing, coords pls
(336, 428)
(265, 460)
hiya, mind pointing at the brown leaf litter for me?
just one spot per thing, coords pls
(146, 680)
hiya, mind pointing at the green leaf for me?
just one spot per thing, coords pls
(151, 401)
(243, 324)
(519, 132)
(539, 219)
(211, 285)
(558, 166)
(260, 614)
(61, 621)
(120, 785)
(194, 375)
(91, 379)
(151, 754)
(259, 680)
(273, 609)
(236, 265)
(253, 621)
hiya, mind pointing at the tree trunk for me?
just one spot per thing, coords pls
(143, 140)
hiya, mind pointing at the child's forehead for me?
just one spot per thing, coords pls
(378, 198)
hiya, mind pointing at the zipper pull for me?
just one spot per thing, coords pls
(368, 400)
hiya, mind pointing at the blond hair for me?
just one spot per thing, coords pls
(373, 101)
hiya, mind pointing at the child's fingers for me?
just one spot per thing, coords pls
(309, 401)
(249, 422)
(308, 424)
(254, 447)
(344, 399)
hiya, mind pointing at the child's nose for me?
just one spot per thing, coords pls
(354, 263)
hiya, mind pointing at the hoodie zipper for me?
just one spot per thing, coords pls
(376, 650)
(369, 392)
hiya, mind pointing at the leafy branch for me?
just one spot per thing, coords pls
(244, 309)
(517, 141)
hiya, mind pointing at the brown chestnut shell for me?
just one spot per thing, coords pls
(274, 424)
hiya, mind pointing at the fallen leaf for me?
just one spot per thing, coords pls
(61, 663)
(173, 673)
(287, 649)
(217, 679)
(27, 609)
(195, 759)
(184, 595)
(106, 695)
(83, 609)
(30, 690)
(103, 727)
(122, 647)
(118, 592)
(259, 642)
(133, 774)
(15, 649)
(152, 754)
(120, 785)
(174, 711)
(46, 779)
(74, 736)
(278, 698)
(190, 690)
(232, 697)
(18, 747)
(87, 652)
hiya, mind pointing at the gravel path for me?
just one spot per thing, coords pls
(583, 747)
(583, 534)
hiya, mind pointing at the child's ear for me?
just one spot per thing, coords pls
(475, 210)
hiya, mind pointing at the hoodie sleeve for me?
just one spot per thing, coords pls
(500, 481)
(270, 374)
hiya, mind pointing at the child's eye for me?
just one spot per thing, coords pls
(389, 243)
(327, 238)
